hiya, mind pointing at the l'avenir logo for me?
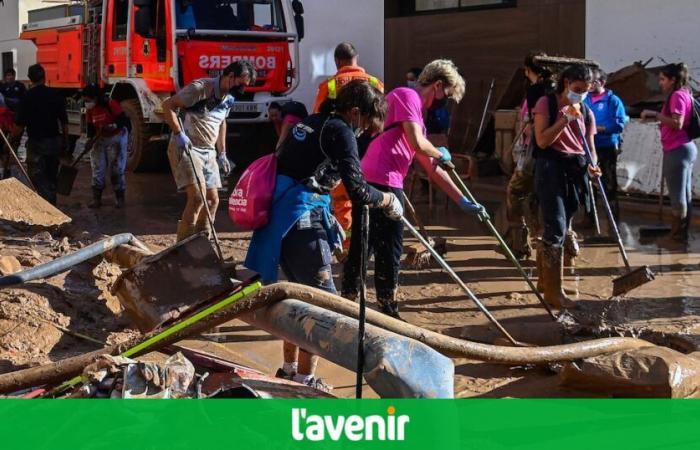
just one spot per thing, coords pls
(314, 427)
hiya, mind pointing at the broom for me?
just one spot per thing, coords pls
(417, 255)
(633, 278)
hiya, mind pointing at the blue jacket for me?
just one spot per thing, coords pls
(610, 113)
(289, 202)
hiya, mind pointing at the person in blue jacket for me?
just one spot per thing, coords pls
(610, 118)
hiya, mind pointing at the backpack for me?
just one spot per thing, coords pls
(694, 125)
(251, 200)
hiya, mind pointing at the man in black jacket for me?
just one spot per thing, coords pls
(42, 112)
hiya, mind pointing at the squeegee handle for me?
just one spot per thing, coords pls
(494, 232)
(603, 195)
(458, 280)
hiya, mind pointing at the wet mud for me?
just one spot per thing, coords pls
(664, 311)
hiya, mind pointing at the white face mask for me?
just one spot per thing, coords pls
(89, 105)
(575, 97)
(411, 83)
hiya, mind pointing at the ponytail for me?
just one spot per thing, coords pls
(678, 72)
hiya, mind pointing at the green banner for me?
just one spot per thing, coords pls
(349, 424)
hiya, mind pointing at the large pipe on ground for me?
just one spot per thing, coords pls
(64, 263)
(453, 347)
(394, 366)
(449, 346)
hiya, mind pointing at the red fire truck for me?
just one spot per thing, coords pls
(143, 51)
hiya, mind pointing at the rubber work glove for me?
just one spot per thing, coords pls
(394, 210)
(474, 208)
(183, 142)
(224, 163)
(444, 155)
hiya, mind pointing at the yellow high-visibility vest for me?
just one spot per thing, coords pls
(333, 86)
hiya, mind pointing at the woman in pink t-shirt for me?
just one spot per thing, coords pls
(679, 150)
(385, 166)
(560, 170)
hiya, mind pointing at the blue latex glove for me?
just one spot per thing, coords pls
(182, 141)
(444, 155)
(474, 208)
(224, 163)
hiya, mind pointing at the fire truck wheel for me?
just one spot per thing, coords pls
(143, 155)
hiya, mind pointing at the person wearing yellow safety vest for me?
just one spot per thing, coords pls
(346, 58)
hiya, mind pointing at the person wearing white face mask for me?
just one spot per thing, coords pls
(412, 77)
(560, 169)
(109, 136)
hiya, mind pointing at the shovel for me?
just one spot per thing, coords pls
(633, 278)
(68, 173)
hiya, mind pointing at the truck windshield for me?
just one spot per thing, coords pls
(239, 15)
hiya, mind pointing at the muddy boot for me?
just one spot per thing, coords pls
(678, 235)
(96, 198)
(184, 230)
(571, 249)
(568, 290)
(553, 271)
(540, 267)
(517, 237)
(203, 225)
(119, 196)
(389, 306)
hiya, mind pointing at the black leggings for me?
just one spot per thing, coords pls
(385, 241)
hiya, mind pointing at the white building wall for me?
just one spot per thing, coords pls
(619, 32)
(329, 22)
(13, 14)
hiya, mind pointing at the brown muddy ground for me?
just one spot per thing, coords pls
(665, 311)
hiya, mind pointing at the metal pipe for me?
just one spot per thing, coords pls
(64, 263)
(459, 281)
(394, 366)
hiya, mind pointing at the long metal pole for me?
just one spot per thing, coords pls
(483, 115)
(463, 187)
(604, 197)
(363, 301)
(459, 281)
(205, 204)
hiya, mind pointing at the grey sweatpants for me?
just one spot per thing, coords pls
(678, 175)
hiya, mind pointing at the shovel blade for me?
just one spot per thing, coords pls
(632, 280)
(66, 179)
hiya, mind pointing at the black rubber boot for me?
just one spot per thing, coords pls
(96, 198)
(390, 306)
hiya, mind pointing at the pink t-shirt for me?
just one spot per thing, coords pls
(389, 156)
(569, 141)
(680, 103)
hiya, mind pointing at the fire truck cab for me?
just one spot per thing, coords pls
(145, 50)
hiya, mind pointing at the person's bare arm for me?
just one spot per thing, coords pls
(284, 131)
(414, 134)
(221, 139)
(170, 106)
